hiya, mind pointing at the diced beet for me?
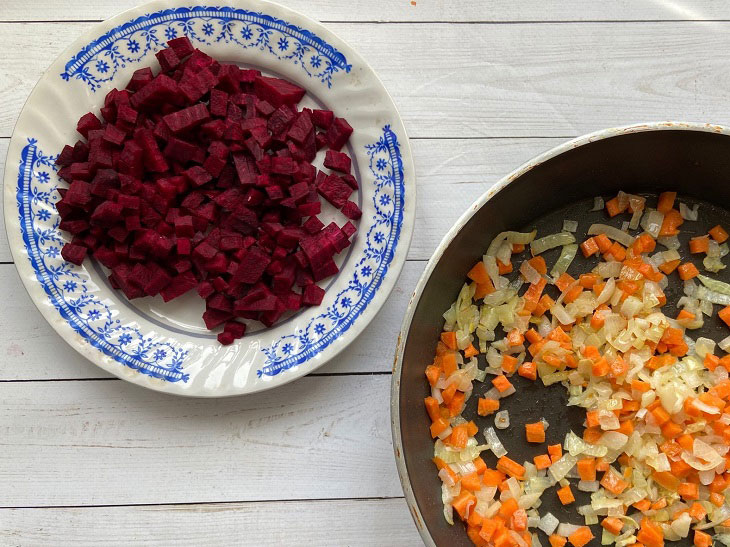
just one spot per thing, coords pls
(301, 128)
(218, 102)
(168, 59)
(319, 250)
(336, 236)
(277, 91)
(280, 119)
(337, 161)
(160, 89)
(198, 176)
(327, 269)
(323, 118)
(350, 180)
(88, 122)
(348, 229)
(182, 46)
(78, 194)
(74, 227)
(235, 328)
(153, 158)
(351, 210)
(251, 266)
(187, 118)
(334, 190)
(313, 225)
(106, 214)
(66, 157)
(245, 168)
(215, 318)
(75, 254)
(338, 133)
(312, 295)
(114, 135)
(226, 338)
(179, 285)
(220, 302)
(140, 78)
(205, 289)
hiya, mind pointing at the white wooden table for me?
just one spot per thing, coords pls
(483, 85)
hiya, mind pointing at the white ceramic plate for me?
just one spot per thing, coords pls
(166, 346)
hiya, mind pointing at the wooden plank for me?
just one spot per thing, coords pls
(33, 351)
(102, 443)
(475, 80)
(423, 10)
(326, 523)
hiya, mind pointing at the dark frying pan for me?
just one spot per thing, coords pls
(693, 159)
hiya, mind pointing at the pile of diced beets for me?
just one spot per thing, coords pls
(201, 177)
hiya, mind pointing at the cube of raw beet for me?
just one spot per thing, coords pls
(220, 284)
(140, 78)
(338, 161)
(126, 115)
(106, 214)
(277, 91)
(74, 227)
(252, 264)
(336, 236)
(283, 165)
(114, 135)
(78, 194)
(323, 118)
(313, 225)
(160, 89)
(179, 285)
(231, 243)
(268, 318)
(283, 281)
(245, 168)
(328, 269)
(215, 318)
(214, 165)
(181, 46)
(131, 159)
(351, 210)
(235, 328)
(319, 250)
(187, 118)
(204, 252)
(198, 176)
(140, 276)
(158, 281)
(251, 302)
(220, 302)
(280, 119)
(182, 151)
(218, 103)
(226, 338)
(184, 226)
(66, 157)
(350, 180)
(153, 158)
(218, 265)
(338, 133)
(310, 209)
(312, 295)
(348, 229)
(168, 59)
(118, 233)
(183, 246)
(334, 190)
(88, 122)
(205, 289)
(301, 128)
(75, 254)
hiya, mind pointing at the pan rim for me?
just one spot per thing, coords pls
(577, 142)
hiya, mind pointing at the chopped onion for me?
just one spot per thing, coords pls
(530, 273)
(501, 419)
(598, 203)
(670, 242)
(510, 237)
(560, 468)
(564, 260)
(588, 486)
(713, 264)
(548, 523)
(687, 213)
(724, 344)
(565, 529)
(613, 233)
(652, 222)
(493, 442)
(551, 241)
(703, 293)
(570, 226)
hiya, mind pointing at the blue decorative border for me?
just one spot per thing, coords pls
(69, 289)
(381, 240)
(130, 42)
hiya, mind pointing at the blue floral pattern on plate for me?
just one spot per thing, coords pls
(129, 43)
(69, 288)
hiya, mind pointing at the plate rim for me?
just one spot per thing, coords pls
(395, 387)
(329, 352)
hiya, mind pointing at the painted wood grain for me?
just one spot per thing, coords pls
(476, 80)
(423, 10)
(109, 442)
(31, 350)
(333, 523)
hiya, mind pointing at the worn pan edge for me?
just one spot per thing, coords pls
(446, 241)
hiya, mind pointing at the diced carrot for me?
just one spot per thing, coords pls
(582, 536)
(587, 469)
(717, 499)
(501, 383)
(538, 263)
(647, 243)
(483, 289)
(485, 406)
(604, 244)
(684, 315)
(489, 527)
(613, 525)
(626, 427)
(613, 482)
(433, 373)
(515, 338)
(463, 503)
(533, 336)
(555, 451)
(592, 418)
(650, 534)
(471, 428)
(587, 281)
(711, 361)
(565, 495)
(509, 363)
(519, 520)
(479, 274)
(671, 430)
(449, 339)
(687, 271)
(689, 491)
(564, 281)
(642, 505)
(432, 407)
(613, 208)
(472, 481)
(666, 202)
(671, 223)
(699, 244)
(557, 541)
(589, 247)
(592, 435)
(719, 234)
(504, 268)
(573, 294)
(542, 461)
(528, 370)
(471, 351)
(456, 405)
(518, 248)
(510, 467)
(687, 442)
(697, 511)
(448, 393)
(544, 305)
(480, 465)
(507, 508)
(660, 415)
(438, 427)
(600, 368)
(702, 539)
(617, 251)
(724, 314)
(535, 432)
(448, 363)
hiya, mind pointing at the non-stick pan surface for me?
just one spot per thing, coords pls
(692, 159)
